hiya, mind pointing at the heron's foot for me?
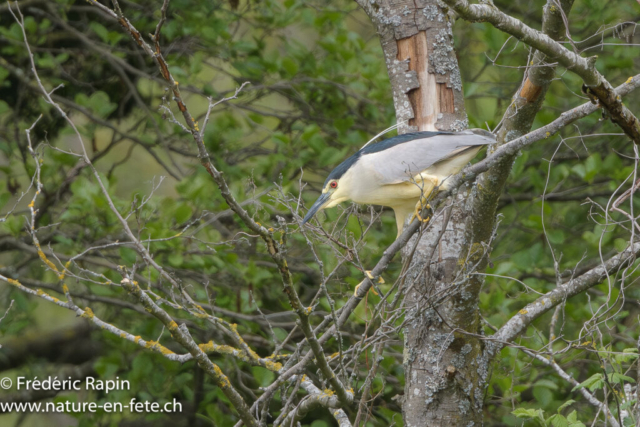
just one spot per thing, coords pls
(416, 213)
(370, 276)
(425, 220)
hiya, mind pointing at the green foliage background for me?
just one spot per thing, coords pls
(319, 90)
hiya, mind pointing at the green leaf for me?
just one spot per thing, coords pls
(594, 382)
(555, 237)
(628, 355)
(579, 170)
(543, 395)
(106, 367)
(175, 259)
(100, 103)
(30, 25)
(620, 244)
(263, 376)
(128, 255)
(565, 405)
(558, 420)
(5, 197)
(592, 166)
(619, 378)
(532, 414)
(100, 30)
(182, 214)
(290, 66)
(177, 72)
(573, 420)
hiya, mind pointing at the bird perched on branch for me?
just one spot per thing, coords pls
(401, 172)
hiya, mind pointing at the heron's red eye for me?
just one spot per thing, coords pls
(333, 184)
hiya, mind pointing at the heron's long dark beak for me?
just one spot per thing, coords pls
(318, 205)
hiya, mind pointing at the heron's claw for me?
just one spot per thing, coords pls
(416, 214)
(425, 220)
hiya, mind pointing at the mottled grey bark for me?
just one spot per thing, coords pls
(446, 369)
(417, 43)
(443, 387)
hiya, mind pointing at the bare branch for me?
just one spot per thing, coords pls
(595, 84)
(519, 322)
(266, 234)
(181, 334)
(582, 390)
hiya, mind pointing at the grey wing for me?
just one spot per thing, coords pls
(404, 161)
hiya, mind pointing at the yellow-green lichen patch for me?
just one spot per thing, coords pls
(164, 350)
(227, 349)
(273, 366)
(156, 346)
(207, 347)
(222, 378)
(13, 282)
(88, 313)
(44, 258)
(252, 353)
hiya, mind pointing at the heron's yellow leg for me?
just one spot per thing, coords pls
(370, 276)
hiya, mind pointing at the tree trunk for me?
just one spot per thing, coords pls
(417, 43)
(444, 371)
(446, 364)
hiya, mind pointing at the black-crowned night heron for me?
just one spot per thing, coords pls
(401, 172)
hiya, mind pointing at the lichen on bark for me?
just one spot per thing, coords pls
(446, 364)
